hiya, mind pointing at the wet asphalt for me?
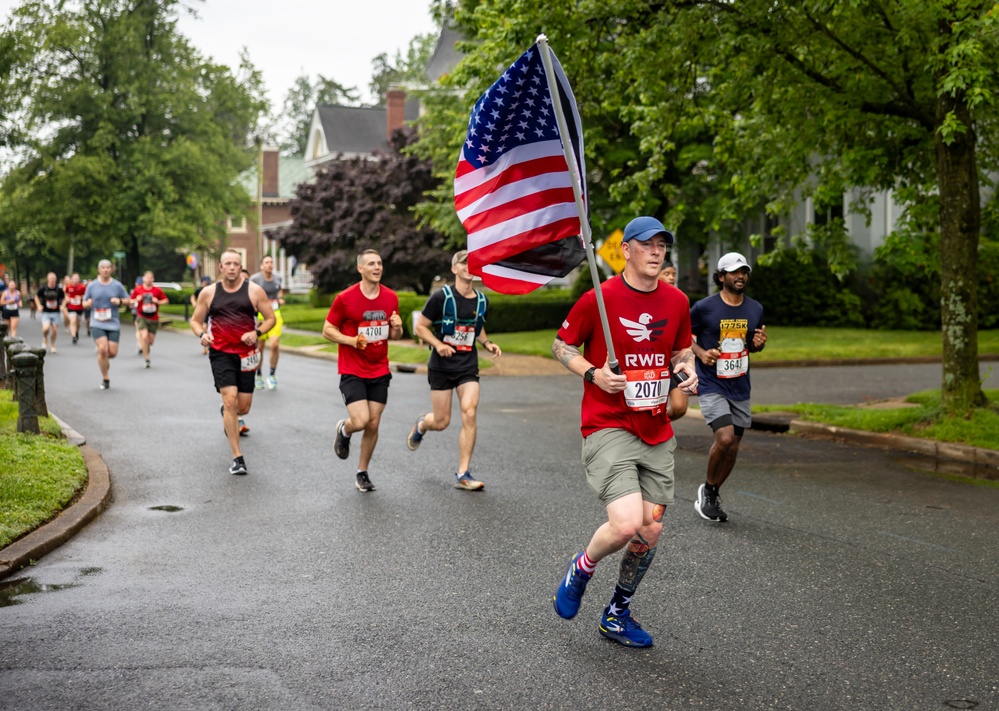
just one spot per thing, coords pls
(845, 578)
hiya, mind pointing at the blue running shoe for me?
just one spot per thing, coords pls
(415, 437)
(570, 591)
(624, 629)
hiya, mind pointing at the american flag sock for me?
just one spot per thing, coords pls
(586, 564)
(619, 603)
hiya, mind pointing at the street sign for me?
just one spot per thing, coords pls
(118, 255)
(610, 251)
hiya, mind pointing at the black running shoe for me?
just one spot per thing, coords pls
(363, 483)
(105, 385)
(238, 466)
(708, 505)
(341, 445)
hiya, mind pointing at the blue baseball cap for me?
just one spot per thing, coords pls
(645, 228)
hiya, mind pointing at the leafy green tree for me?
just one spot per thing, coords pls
(736, 104)
(893, 96)
(125, 133)
(406, 69)
(300, 104)
(682, 190)
(362, 203)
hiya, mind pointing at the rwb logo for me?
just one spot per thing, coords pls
(645, 360)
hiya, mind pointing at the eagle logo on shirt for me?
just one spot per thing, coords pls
(645, 329)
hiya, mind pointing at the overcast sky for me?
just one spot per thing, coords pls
(287, 38)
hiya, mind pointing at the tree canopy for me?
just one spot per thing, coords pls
(121, 132)
(366, 202)
(705, 111)
(292, 126)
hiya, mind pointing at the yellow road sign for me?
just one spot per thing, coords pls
(611, 253)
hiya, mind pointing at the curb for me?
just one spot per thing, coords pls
(860, 361)
(985, 461)
(70, 521)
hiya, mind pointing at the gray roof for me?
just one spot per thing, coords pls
(446, 55)
(355, 129)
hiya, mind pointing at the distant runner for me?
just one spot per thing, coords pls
(49, 300)
(148, 299)
(74, 305)
(267, 280)
(105, 297)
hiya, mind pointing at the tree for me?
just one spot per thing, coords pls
(680, 188)
(880, 95)
(736, 104)
(125, 134)
(299, 105)
(362, 203)
(407, 70)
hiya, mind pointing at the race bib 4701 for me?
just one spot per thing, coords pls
(374, 331)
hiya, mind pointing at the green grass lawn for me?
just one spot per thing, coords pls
(981, 430)
(786, 343)
(39, 474)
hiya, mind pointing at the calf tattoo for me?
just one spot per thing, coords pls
(636, 561)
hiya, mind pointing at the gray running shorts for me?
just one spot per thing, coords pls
(714, 406)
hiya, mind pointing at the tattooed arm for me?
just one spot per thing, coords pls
(566, 354)
(683, 361)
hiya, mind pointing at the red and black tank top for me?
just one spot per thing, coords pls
(232, 314)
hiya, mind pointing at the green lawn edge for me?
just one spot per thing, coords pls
(39, 475)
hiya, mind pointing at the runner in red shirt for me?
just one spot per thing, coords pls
(628, 443)
(361, 321)
(74, 305)
(147, 299)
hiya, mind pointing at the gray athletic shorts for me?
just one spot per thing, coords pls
(618, 463)
(715, 406)
(53, 317)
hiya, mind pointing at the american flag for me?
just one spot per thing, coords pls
(512, 189)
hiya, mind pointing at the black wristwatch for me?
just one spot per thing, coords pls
(259, 334)
(588, 375)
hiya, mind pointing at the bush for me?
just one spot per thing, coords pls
(798, 289)
(988, 286)
(904, 283)
(584, 282)
(319, 299)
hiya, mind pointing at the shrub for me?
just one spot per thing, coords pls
(798, 289)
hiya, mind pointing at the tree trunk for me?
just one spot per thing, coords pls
(132, 269)
(960, 223)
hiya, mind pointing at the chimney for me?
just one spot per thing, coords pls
(395, 110)
(270, 188)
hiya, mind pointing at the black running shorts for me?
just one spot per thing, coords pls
(449, 380)
(225, 368)
(355, 389)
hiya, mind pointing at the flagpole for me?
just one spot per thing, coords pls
(584, 223)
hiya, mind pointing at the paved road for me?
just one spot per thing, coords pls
(845, 579)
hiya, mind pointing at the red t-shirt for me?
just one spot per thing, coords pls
(352, 312)
(74, 296)
(646, 328)
(147, 308)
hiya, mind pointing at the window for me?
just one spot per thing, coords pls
(824, 214)
(236, 224)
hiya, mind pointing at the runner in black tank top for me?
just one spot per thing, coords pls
(225, 320)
